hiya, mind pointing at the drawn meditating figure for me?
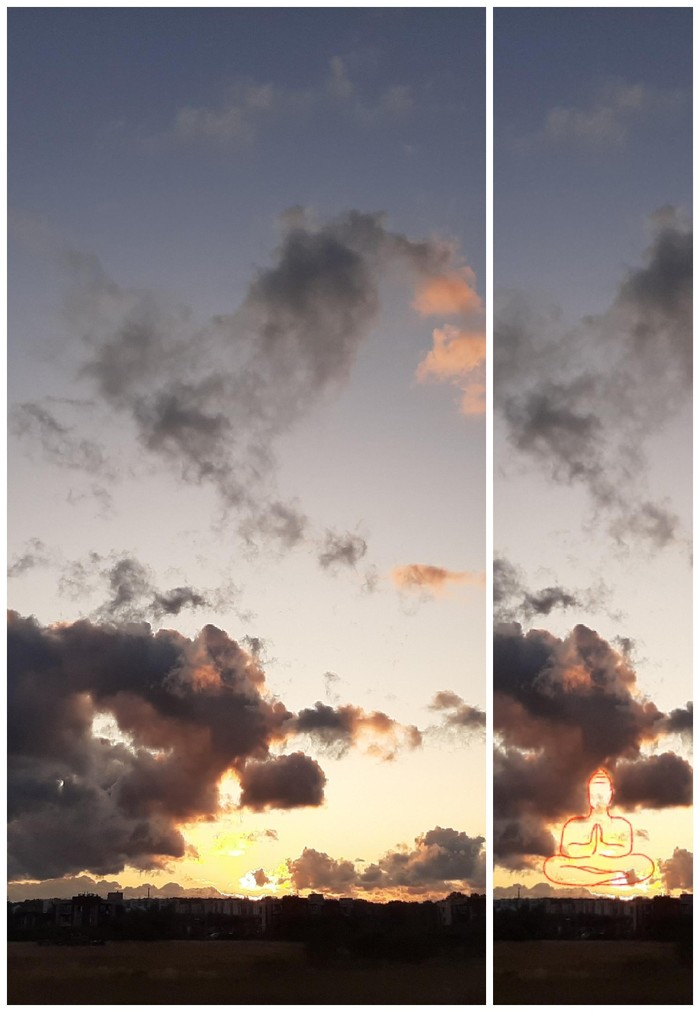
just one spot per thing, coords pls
(596, 849)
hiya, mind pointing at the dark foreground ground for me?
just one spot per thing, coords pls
(591, 973)
(177, 973)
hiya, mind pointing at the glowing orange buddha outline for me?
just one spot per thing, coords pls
(596, 849)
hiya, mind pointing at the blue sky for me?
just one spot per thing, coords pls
(597, 192)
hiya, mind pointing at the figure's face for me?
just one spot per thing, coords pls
(600, 790)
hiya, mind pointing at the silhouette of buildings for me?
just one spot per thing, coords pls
(662, 917)
(91, 917)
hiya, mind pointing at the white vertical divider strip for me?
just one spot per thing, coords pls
(488, 630)
(696, 463)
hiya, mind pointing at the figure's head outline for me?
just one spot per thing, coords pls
(600, 789)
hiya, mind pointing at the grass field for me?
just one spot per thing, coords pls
(590, 973)
(155, 973)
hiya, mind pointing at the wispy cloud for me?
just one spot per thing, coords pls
(432, 579)
(210, 400)
(249, 107)
(583, 402)
(613, 112)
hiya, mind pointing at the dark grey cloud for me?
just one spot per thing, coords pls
(513, 601)
(440, 861)
(317, 870)
(580, 403)
(656, 781)
(336, 729)
(210, 399)
(677, 871)
(286, 781)
(562, 708)
(131, 591)
(456, 713)
(680, 720)
(188, 710)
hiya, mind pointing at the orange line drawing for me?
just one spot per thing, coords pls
(597, 849)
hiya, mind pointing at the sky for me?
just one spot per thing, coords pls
(246, 518)
(592, 431)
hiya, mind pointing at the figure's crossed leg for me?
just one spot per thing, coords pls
(597, 871)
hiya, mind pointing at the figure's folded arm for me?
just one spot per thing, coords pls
(620, 846)
(579, 848)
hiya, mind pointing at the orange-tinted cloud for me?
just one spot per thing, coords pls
(455, 354)
(473, 400)
(448, 294)
(432, 578)
(458, 356)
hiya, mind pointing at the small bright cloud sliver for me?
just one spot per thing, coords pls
(435, 579)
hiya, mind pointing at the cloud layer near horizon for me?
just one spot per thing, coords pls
(440, 860)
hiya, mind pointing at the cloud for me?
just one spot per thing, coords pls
(72, 885)
(562, 708)
(656, 781)
(680, 720)
(433, 579)
(210, 399)
(249, 106)
(456, 713)
(345, 549)
(338, 728)
(677, 871)
(287, 781)
(514, 602)
(188, 710)
(441, 860)
(448, 294)
(315, 870)
(35, 554)
(132, 594)
(581, 403)
(458, 354)
(264, 834)
(617, 109)
(234, 121)
(56, 441)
